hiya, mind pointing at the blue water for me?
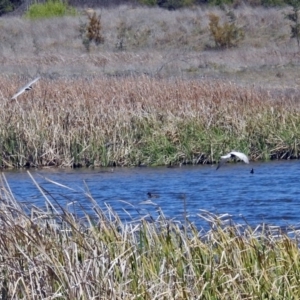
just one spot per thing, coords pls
(271, 195)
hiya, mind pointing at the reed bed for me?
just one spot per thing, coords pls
(54, 254)
(132, 120)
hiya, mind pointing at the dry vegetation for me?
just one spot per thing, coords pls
(124, 121)
(155, 91)
(51, 254)
(155, 42)
(120, 102)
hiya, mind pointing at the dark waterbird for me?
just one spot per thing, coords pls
(141, 165)
(150, 195)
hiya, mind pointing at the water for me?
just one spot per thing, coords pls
(270, 195)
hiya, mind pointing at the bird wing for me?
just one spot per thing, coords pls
(241, 156)
(32, 82)
(227, 156)
(23, 89)
(223, 159)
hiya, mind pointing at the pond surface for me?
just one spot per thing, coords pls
(271, 195)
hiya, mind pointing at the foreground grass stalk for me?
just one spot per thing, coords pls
(125, 121)
(47, 255)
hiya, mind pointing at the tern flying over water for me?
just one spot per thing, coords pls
(233, 154)
(27, 87)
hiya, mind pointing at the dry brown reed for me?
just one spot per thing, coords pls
(107, 121)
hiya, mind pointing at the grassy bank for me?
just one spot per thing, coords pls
(124, 121)
(45, 255)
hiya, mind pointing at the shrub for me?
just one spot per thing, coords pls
(269, 3)
(220, 2)
(266, 3)
(148, 2)
(168, 4)
(8, 5)
(122, 32)
(294, 17)
(227, 35)
(92, 31)
(174, 4)
(50, 9)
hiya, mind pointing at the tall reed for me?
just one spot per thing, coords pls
(123, 121)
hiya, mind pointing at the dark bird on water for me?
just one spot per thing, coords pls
(150, 195)
(233, 154)
(141, 165)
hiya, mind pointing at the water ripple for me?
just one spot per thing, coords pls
(269, 195)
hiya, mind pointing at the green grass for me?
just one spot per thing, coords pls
(50, 9)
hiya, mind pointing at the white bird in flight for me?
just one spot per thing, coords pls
(233, 154)
(27, 87)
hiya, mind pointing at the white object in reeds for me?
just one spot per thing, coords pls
(27, 87)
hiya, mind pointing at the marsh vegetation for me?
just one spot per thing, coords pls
(52, 253)
(156, 89)
(127, 121)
